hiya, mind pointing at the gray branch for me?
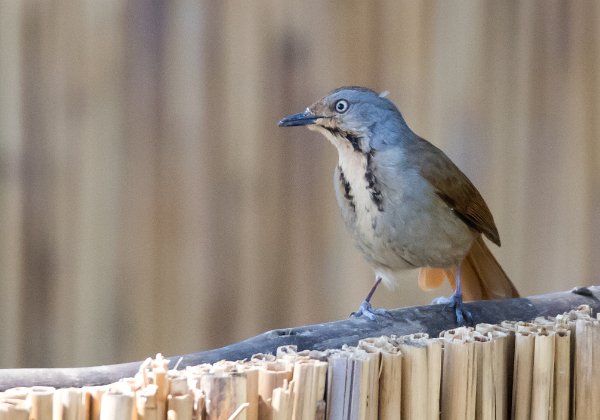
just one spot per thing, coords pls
(429, 319)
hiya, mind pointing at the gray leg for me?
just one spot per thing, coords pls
(455, 302)
(365, 309)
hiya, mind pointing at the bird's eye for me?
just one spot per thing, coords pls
(341, 106)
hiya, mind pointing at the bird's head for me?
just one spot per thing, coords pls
(352, 115)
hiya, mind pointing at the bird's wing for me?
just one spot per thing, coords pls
(455, 189)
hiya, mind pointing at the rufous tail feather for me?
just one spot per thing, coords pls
(481, 276)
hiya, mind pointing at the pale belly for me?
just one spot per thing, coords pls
(413, 228)
(405, 238)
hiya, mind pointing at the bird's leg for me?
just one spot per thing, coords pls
(455, 302)
(365, 308)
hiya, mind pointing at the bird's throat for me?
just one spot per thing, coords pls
(359, 182)
(357, 173)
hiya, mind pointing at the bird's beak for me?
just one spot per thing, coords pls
(302, 118)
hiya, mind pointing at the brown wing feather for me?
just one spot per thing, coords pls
(455, 189)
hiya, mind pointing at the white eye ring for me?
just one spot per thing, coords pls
(341, 106)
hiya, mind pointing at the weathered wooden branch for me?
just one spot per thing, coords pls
(429, 319)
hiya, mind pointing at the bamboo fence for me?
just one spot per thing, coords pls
(543, 369)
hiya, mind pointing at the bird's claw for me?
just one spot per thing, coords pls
(455, 302)
(365, 309)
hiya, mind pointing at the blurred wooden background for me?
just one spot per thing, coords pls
(149, 202)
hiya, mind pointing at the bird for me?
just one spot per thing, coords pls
(405, 203)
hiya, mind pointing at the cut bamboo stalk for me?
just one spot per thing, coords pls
(390, 376)
(338, 385)
(309, 388)
(199, 404)
(459, 375)
(575, 367)
(251, 392)
(94, 398)
(271, 375)
(596, 369)
(69, 404)
(18, 393)
(595, 390)
(523, 375)
(434, 378)
(321, 368)
(14, 409)
(592, 386)
(117, 405)
(282, 402)
(160, 379)
(357, 398)
(86, 400)
(370, 383)
(486, 377)
(354, 384)
(502, 340)
(146, 402)
(180, 407)
(414, 380)
(504, 353)
(562, 374)
(543, 375)
(178, 383)
(301, 391)
(390, 384)
(569, 323)
(583, 405)
(142, 377)
(421, 376)
(225, 392)
(180, 402)
(40, 398)
(152, 402)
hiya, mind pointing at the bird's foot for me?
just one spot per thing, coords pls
(365, 309)
(455, 302)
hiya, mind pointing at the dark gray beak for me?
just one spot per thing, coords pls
(302, 118)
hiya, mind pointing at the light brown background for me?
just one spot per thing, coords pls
(149, 202)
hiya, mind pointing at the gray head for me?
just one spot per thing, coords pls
(356, 115)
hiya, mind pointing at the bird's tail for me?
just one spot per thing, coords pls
(481, 276)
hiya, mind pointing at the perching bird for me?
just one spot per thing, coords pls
(404, 202)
